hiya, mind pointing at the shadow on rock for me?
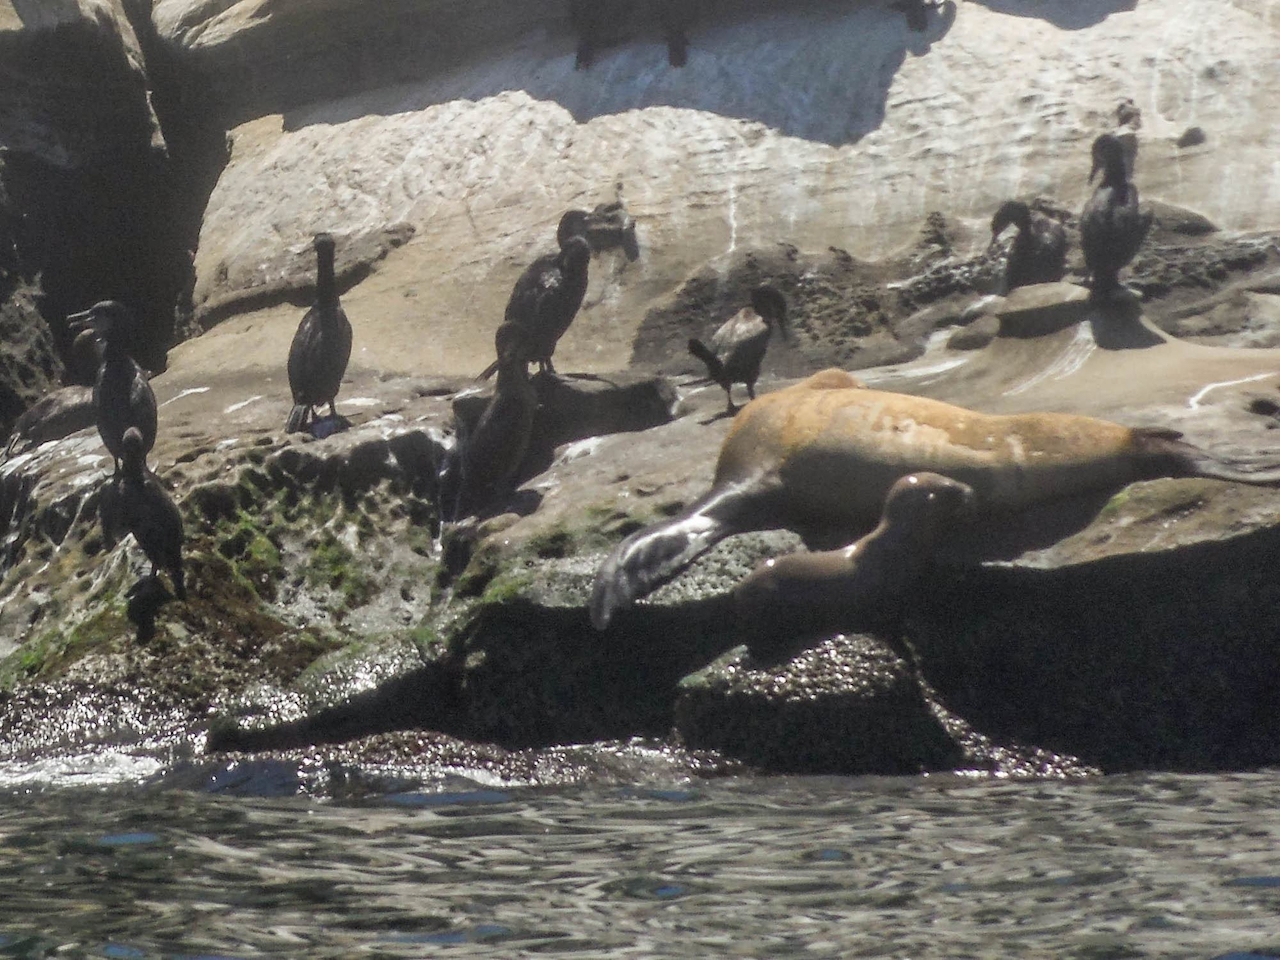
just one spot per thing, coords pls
(1064, 14)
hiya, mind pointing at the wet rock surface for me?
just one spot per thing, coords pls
(342, 637)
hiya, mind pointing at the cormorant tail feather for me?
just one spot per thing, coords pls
(715, 369)
(297, 419)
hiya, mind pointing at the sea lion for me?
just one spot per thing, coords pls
(738, 346)
(546, 297)
(1039, 251)
(1112, 227)
(321, 347)
(818, 455)
(122, 396)
(788, 602)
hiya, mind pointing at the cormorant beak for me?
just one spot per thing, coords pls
(784, 327)
(85, 320)
(1097, 165)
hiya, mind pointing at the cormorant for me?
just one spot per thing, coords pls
(916, 12)
(546, 297)
(322, 346)
(1112, 227)
(588, 18)
(674, 17)
(493, 451)
(148, 513)
(1039, 251)
(122, 397)
(738, 347)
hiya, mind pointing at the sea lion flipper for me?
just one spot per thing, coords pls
(651, 557)
(1174, 457)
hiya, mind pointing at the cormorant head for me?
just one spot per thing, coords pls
(770, 304)
(511, 344)
(324, 245)
(132, 450)
(925, 504)
(572, 224)
(108, 318)
(1108, 156)
(575, 253)
(1011, 212)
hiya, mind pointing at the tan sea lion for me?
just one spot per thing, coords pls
(823, 454)
(793, 600)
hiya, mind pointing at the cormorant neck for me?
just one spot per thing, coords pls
(131, 468)
(1114, 173)
(326, 289)
(113, 349)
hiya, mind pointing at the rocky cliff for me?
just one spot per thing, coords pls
(180, 155)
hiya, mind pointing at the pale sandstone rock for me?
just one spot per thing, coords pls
(819, 125)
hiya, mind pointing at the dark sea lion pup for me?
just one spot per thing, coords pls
(1112, 227)
(322, 346)
(823, 454)
(122, 397)
(546, 297)
(738, 347)
(789, 602)
(149, 514)
(1039, 251)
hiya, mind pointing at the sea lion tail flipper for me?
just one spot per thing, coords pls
(650, 557)
(297, 417)
(1192, 461)
(715, 369)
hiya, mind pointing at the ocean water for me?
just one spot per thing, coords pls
(946, 867)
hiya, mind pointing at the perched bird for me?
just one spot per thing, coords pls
(493, 451)
(322, 346)
(916, 12)
(122, 397)
(546, 297)
(674, 17)
(1112, 227)
(148, 513)
(1039, 251)
(738, 347)
(588, 18)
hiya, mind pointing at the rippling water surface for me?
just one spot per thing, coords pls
(1159, 866)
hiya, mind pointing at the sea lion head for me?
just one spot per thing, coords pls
(923, 505)
(1011, 212)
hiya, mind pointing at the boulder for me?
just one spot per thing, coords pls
(85, 170)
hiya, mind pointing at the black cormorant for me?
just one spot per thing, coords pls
(674, 16)
(322, 346)
(1112, 227)
(1039, 251)
(148, 513)
(738, 347)
(122, 397)
(546, 297)
(493, 451)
